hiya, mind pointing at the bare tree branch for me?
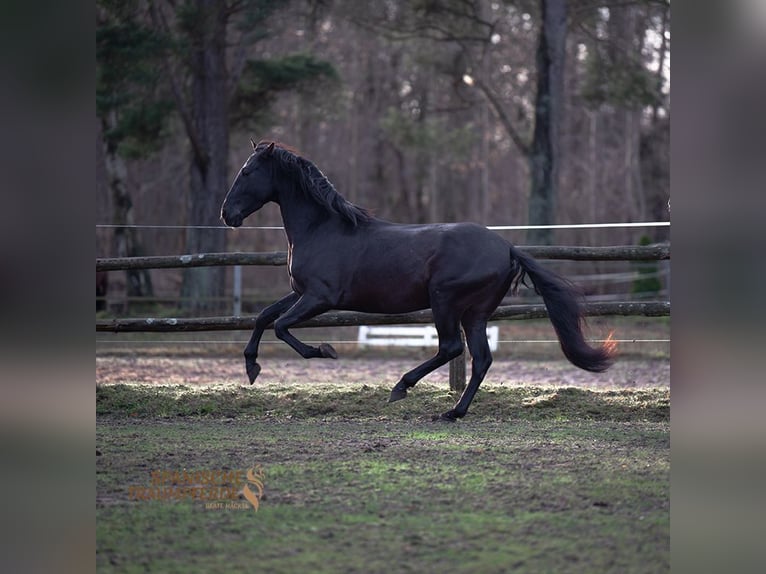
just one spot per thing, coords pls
(502, 115)
(160, 21)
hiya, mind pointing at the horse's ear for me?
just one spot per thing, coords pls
(269, 149)
(253, 143)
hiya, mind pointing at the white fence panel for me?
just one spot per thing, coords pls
(418, 336)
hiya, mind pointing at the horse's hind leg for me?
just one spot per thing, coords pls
(450, 346)
(481, 359)
(263, 320)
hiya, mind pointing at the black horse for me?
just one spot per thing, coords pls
(341, 257)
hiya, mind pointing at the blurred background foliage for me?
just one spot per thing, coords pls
(500, 112)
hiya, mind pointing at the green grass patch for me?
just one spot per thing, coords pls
(514, 403)
(533, 480)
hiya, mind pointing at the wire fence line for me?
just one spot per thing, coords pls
(492, 227)
(340, 342)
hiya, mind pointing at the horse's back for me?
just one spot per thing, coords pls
(442, 252)
(439, 243)
(394, 268)
(469, 253)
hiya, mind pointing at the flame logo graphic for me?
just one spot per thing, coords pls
(255, 478)
(610, 345)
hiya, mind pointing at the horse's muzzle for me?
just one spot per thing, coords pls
(232, 220)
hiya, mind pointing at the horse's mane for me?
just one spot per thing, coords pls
(313, 183)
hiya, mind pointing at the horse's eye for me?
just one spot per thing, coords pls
(245, 171)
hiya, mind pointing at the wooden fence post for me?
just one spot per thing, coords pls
(457, 369)
(237, 311)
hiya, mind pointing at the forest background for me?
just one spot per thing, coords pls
(499, 112)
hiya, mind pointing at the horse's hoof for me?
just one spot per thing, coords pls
(397, 395)
(327, 351)
(448, 417)
(252, 371)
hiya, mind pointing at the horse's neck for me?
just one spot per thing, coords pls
(301, 216)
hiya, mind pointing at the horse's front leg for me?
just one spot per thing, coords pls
(264, 319)
(305, 308)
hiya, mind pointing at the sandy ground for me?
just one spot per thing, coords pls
(386, 372)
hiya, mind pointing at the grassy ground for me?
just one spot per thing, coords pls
(533, 480)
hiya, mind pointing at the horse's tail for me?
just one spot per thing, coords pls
(561, 300)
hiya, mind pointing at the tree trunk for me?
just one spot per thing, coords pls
(126, 241)
(484, 217)
(203, 289)
(626, 38)
(549, 106)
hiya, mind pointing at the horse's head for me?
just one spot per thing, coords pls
(252, 188)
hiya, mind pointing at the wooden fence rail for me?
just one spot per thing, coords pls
(562, 252)
(351, 319)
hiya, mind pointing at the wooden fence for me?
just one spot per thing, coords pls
(348, 318)
(618, 253)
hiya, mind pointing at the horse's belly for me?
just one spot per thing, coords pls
(389, 298)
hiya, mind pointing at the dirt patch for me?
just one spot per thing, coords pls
(630, 374)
